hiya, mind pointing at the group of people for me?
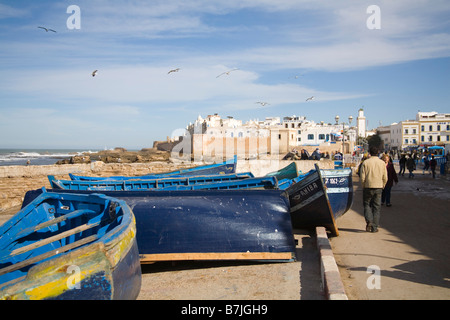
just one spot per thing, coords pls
(377, 176)
(409, 163)
(316, 155)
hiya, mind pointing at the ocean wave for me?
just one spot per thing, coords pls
(8, 156)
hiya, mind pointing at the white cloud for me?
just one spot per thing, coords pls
(10, 12)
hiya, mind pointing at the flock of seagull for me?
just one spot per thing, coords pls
(262, 103)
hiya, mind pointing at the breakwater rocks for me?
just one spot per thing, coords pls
(119, 155)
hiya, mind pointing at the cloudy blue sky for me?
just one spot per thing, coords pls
(285, 51)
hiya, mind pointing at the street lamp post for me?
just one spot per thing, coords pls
(350, 119)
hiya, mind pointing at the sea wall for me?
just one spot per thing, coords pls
(15, 181)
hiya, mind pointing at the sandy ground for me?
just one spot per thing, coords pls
(220, 280)
(409, 258)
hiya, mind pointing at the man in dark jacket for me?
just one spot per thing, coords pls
(433, 164)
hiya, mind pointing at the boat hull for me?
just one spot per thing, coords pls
(309, 203)
(94, 260)
(288, 172)
(227, 182)
(172, 183)
(227, 167)
(209, 224)
(339, 185)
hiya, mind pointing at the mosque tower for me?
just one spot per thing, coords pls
(361, 124)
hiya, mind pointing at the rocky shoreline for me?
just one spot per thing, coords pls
(119, 155)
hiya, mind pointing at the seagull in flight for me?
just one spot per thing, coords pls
(47, 29)
(94, 73)
(263, 103)
(174, 70)
(226, 72)
(310, 98)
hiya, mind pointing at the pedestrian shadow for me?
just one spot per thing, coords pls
(351, 230)
(413, 271)
(309, 273)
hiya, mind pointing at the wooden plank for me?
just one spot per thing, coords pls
(46, 224)
(22, 264)
(54, 238)
(150, 258)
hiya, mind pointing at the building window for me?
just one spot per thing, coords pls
(406, 131)
(406, 141)
(430, 128)
(299, 139)
(438, 127)
(422, 138)
(422, 128)
(414, 141)
(310, 136)
(321, 136)
(414, 131)
(448, 127)
(279, 137)
(438, 138)
(430, 138)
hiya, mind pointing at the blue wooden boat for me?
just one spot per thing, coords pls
(288, 172)
(226, 167)
(339, 185)
(240, 181)
(309, 203)
(208, 224)
(70, 246)
(171, 183)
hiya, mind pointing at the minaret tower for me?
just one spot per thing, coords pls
(361, 124)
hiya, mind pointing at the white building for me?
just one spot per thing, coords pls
(404, 134)
(434, 127)
(384, 133)
(429, 128)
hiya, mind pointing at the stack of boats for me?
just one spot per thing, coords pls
(106, 226)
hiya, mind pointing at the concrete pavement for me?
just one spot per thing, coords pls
(409, 258)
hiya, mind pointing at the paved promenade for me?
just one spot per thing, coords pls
(409, 258)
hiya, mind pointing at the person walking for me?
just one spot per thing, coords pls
(402, 163)
(392, 177)
(411, 166)
(433, 164)
(426, 163)
(373, 176)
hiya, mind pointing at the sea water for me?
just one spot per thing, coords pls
(23, 157)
